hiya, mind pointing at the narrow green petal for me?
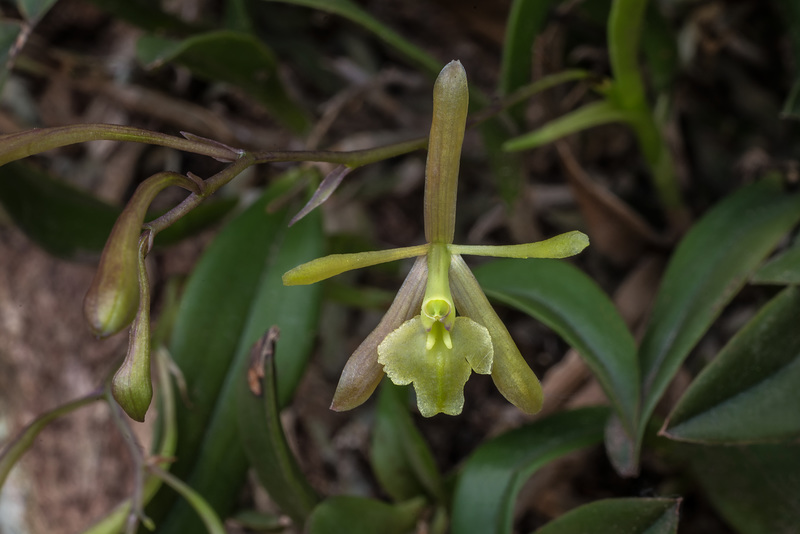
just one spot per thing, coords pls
(510, 373)
(437, 372)
(322, 268)
(363, 373)
(560, 246)
(450, 102)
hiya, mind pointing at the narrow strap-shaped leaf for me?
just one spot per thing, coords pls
(229, 302)
(525, 21)
(618, 516)
(233, 57)
(783, 269)
(262, 434)
(754, 488)
(708, 268)
(594, 114)
(569, 302)
(748, 392)
(487, 487)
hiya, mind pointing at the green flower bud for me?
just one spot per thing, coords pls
(111, 302)
(132, 386)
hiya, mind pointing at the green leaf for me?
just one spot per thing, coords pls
(70, 223)
(359, 515)
(236, 58)
(400, 457)
(525, 21)
(354, 13)
(33, 10)
(782, 269)
(594, 114)
(708, 268)
(754, 488)
(618, 516)
(62, 219)
(487, 488)
(229, 302)
(13, 450)
(260, 424)
(750, 391)
(569, 302)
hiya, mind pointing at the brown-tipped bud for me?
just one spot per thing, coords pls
(132, 386)
(111, 302)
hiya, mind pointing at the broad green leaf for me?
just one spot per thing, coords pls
(354, 13)
(618, 516)
(359, 515)
(569, 302)
(708, 268)
(239, 59)
(487, 487)
(525, 21)
(260, 424)
(13, 450)
(594, 114)
(227, 306)
(754, 488)
(783, 269)
(400, 458)
(750, 391)
(71, 223)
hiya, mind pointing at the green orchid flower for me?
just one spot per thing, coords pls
(440, 326)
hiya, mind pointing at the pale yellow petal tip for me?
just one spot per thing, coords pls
(578, 240)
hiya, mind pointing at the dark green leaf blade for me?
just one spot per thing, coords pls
(569, 302)
(62, 219)
(401, 459)
(70, 223)
(487, 488)
(748, 393)
(618, 516)
(228, 305)
(525, 21)
(710, 265)
(236, 58)
(755, 488)
(359, 515)
(262, 432)
(781, 270)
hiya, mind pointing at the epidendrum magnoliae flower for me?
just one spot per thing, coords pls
(440, 327)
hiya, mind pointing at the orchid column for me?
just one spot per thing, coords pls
(440, 326)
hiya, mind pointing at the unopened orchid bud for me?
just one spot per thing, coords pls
(132, 386)
(111, 302)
